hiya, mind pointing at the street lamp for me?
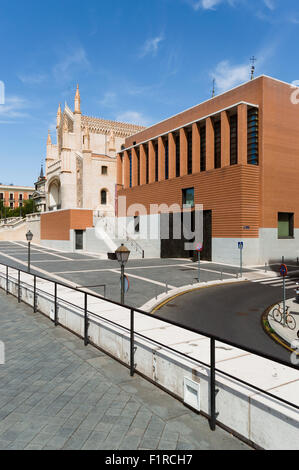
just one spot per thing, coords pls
(29, 236)
(122, 256)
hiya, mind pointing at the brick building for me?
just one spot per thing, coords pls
(237, 154)
(14, 196)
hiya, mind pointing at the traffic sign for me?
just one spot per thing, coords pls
(240, 245)
(126, 283)
(283, 270)
(199, 247)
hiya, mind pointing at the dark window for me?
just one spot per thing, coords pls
(138, 165)
(146, 164)
(285, 225)
(203, 147)
(11, 205)
(217, 144)
(103, 197)
(30, 196)
(188, 197)
(177, 155)
(252, 136)
(104, 170)
(1, 196)
(136, 223)
(20, 197)
(233, 120)
(130, 160)
(166, 159)
(189, 140)
(156, 161)
(11, 196)
(20, 204)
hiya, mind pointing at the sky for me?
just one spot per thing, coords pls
(137, 61)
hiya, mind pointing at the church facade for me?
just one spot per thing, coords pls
(81, 166)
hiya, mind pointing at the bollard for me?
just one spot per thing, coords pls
(166, 285)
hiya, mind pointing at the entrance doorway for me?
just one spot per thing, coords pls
(206, 253)
(79, 239)
(173, 248)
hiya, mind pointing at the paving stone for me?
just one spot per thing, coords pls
(56, 394)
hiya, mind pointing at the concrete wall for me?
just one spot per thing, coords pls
(11, 233)
(272, 248)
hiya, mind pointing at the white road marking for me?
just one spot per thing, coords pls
(151, 281)
(46, 252)
(127, 268)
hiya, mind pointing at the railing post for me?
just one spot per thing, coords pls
(86, 341)
(55, 305)
(6, 280)
(132, 365)
(34, 293)
(212, 386)
(19, 286)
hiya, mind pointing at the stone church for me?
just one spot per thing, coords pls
(81, 166)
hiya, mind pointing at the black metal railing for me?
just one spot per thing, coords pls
(132, 334)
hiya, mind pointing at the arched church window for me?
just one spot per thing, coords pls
(103, 197)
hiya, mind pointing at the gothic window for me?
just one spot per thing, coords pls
(103, 197)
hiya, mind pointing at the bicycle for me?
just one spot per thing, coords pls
(278, 316)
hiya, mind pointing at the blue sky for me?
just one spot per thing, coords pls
(135, 60)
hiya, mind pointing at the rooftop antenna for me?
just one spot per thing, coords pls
(213, 91)
(252, 60)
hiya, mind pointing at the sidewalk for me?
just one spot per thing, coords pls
(57, 394)
(284, 331)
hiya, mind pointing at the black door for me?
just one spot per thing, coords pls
(79, 239)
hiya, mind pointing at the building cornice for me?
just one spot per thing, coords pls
(187, 124)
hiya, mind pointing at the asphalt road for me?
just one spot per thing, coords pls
(147, 277)
(232, 312)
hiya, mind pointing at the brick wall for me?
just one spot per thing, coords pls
(57, 225)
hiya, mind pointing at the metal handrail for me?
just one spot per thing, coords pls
(213, 338)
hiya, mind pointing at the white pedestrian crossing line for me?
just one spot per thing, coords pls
(278, 282)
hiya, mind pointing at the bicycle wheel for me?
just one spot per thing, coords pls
(277, 315)
(290, 320)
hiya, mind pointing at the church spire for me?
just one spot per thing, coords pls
(59, 114)
(49, 141)
(41, 176)
(77, 101)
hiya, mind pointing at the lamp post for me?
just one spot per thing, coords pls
(122, 256)
(29, 236)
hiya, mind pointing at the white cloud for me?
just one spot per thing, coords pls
(270, 4)
(151, 46)
(34, 79)
(209, 4)
(228, 76)
(109, 100)
(75, 59)
(133, 117)
(14, 107)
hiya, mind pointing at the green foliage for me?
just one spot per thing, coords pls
(28, 208)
